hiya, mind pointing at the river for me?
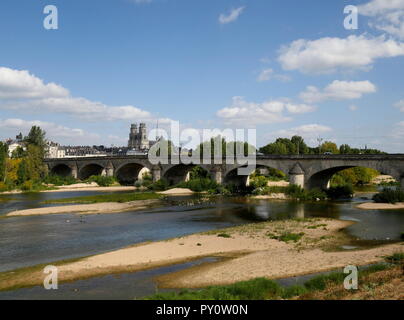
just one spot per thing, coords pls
(32, 240)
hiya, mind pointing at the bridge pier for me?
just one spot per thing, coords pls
(156, 173)
(109, 170)
(75, 171)
(217, 174)
(296, 175)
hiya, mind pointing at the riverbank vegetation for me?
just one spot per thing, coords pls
(324, 286)
(389, 195)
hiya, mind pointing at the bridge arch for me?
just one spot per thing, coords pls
(129, 173)
(62, 170)
(91, 169)
(180, 172)
(321, 178)
(232, 175)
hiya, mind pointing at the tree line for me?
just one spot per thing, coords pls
(25, 168)
(297, 145)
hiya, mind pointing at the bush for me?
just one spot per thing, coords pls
(297, 192)
(344, 191)
(102, 181)
(199, 184)
(27, 185)
(160, 185)
(389, 195)
(58, 180)
(147, 181)
(3, 187)
(258, 182)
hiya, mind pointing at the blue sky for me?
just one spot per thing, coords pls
(282, 67)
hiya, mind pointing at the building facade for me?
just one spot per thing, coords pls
(138, 137)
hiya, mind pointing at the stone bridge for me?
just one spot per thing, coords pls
(308, 171)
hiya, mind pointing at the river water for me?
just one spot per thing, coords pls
(32, 240)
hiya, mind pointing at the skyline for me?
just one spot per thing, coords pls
(226, 64)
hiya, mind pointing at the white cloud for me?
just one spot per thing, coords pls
(400, 105)
(54, 131)
(327, 55)
(268, 74)
(353, 107)
(232, 16)
(388, 15)
(338, 90)
(20, 84)
(265, 75)
(251, 113)
(24, 92)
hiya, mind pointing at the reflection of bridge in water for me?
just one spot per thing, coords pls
(308, 171)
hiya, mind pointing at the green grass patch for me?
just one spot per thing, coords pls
(287, 236)
(316, 226)
(396, 258)
(262, 288)
(117, 197)
(224, 235)
(256, 289)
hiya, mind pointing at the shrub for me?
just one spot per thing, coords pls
(342, 191)
(389, 195)
(297, 192)
(160, 185)
(59, 180)
(146, 181)
(199, 184)
(3, 186)
(27, 185)
(102, 181)
(258, 182)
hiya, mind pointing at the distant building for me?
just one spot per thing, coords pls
(52, 150)
(138, 142)
(138, 137)
(14, 144)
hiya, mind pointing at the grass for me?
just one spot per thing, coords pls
(224, 235)
(396, 258)
(316, 226)
(265, 289)
(287, 236)
(118, 197)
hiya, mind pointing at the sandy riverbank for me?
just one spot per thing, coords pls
(80, 187)
(275, 196)
(254, 254)
(177, 192)
(93, 208)
(380, 206)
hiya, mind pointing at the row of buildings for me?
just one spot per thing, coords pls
(138, 144)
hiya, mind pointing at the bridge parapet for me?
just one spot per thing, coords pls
(306, 170)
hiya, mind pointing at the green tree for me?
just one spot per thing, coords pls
(22, 172)
(329, 146)
(345, 149)
(36, 137)
(3, 158)
(300, 146)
